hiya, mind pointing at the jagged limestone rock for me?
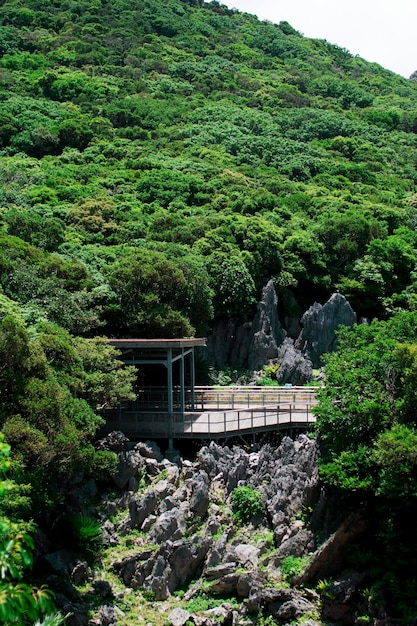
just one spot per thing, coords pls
(200, 498)
(252, 344)
(141, 508)
(294, 367)
(267, 333)
(319, 325)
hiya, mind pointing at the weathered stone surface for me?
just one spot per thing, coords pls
(200, 499)
(152, 467)
(179, 617)
(80, 573)
(149, 450)
(132, 569)
(164, 488)
(231, 464)
(219, 571)
(298, 544)
(149, 522)
(106, 616)
(175, 563)
(247, 555)
(293, 477)
(337, 603)
(319, 325)
(250, 345)
(116, 441)
(226, 585)
(186, 557)
(218, 549)
(141, 508)
(173, 472)
(166, 527)
(250, 583)
(168, 504)
(266, 330)
(292, 609)
(329, 558)
(294, 367)
(103, 589)
(128, 467)
(213, 617)
(228, 344)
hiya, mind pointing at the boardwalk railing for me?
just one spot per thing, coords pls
(222, 398)
(207, 398)
(221, 413)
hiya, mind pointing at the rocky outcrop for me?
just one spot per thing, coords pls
(251, 345)
(320, 323)
(294, 367)
(330, 557)
(267, 333)
(178, 535)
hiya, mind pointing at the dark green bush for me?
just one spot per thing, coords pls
(247, 503)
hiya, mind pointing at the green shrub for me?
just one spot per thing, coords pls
(247, 503)
(86, 534)
(293, 566)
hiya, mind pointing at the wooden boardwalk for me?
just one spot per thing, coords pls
(221, 413)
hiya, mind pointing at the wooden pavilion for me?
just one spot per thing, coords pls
(177, 356)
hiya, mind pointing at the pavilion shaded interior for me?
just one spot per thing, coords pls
(166, 371)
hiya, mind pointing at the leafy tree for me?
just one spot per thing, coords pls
(52, 391)
(149, 291)
(232, 284)
(367, 401)
(367, 428)
(19, 601)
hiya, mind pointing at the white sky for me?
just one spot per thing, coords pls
(383, 31)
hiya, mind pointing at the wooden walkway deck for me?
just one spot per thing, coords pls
(221, 413)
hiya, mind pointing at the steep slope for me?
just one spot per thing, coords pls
(197, 140)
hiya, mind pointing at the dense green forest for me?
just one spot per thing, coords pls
(159, 163)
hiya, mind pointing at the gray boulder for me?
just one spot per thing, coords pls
(149, 450)
(294, 367)
(176, 563)
(200, 499)
(106, 616)
(128, 467)
(288, 477)
(231, 464)
(319, 325)
(179, 617)
(140, 508)
(115, 441)
(166, 527)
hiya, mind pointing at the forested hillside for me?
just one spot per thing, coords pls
(159, 163)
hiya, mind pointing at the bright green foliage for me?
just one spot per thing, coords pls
(247, 503)
(138, 125)
(52, 385)
(85, 535)
(367, 428)
(292, 566)
(18, 600)
(367, 409)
